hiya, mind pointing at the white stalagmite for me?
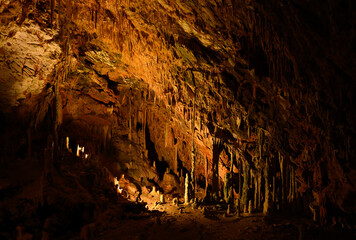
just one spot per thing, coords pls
(186, 192)
(161, 198)
(67, 143)
(78, 148)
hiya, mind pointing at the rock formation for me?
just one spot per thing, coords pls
(253, 100)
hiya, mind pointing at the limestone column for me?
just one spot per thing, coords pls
(245, 186)
(215, 171)
(206, 177)
(186, 192)
(259, 190)
(267, 193)
(256, 192)
(281, 164)
(240, 178)
(193, 172)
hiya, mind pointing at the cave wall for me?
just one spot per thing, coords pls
(272, 83)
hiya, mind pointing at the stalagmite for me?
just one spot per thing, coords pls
(228, 209)
(161, 198)
(249, 206)
(226, 187)
(79, 150)
(186, 189)
(67, 143)
(231, 183)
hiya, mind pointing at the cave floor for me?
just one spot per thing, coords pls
(168, 221)
(162, 221)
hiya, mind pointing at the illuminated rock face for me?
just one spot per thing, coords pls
(272, 84)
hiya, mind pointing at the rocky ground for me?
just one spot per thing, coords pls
(211, 222)
(78, 199)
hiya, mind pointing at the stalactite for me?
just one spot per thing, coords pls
(166, 135)
(130, 118)
(176, 158)
(206, 178)
(193, 182)
(215, 170)
(256, 192)
(69, 10)
(260, 142)
(245, 187)
(52, 11)
(293, 184)
(281, 164)
(259, 181)
(105, 130)
(288, 183)
(231, 163)
(240, 179)
(144, 128)
(58, 118)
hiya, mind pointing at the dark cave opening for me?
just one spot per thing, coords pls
(150, 146)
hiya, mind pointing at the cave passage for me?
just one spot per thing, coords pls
(177, 119)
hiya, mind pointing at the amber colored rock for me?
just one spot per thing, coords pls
(252, 85)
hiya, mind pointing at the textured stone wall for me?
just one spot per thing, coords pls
(272, 83)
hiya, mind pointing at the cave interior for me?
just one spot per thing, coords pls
(177, 119)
